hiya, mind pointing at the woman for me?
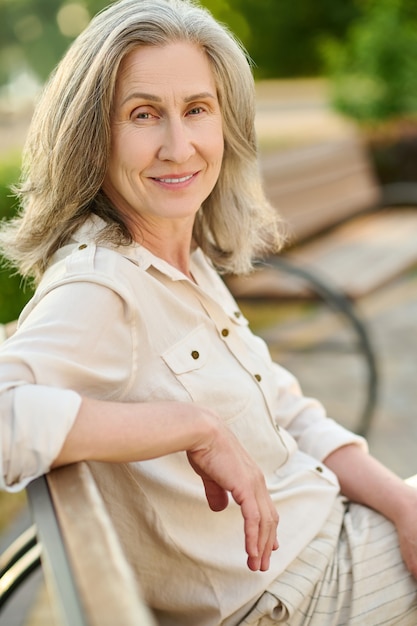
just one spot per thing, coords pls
(140, 181)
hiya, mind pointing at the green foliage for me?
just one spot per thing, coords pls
(231, 16)
(29, 36)
(281, 36)
(35, 33)
(286, 34)
(13, 296)
(373, 70)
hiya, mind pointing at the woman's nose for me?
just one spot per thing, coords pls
(177, 145)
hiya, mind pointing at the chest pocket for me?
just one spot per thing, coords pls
(212, 376)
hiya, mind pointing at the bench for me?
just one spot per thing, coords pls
(342, 224)
(347, 236)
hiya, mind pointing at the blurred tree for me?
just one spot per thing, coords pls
(35, 33)
(13, 292)
(282, 37)
(285, 35)
(232, 16)
(373, 70)
(29, 36)
(373, 81)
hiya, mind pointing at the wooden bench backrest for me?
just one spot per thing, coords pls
(106, 585)
(317, 187)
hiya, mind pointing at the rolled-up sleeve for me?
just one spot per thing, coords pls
(306, 420)
(28, 449)
(74, 342)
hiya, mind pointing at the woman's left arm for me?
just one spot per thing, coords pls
(365, 480)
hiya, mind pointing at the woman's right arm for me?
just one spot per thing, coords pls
(124, 432)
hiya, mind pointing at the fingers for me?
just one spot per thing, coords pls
(260, 527)
(408, 545)
(226, 467)
(271, 544)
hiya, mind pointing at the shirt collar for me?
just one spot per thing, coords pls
(135, 252)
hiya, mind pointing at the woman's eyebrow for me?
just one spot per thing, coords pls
(141, 95)
(149, 96)
(200, 96)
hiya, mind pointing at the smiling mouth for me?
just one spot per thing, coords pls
(174, 181)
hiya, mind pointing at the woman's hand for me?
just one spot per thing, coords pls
(406, 524)
(123, 432)
(225, 466)
(365, 480)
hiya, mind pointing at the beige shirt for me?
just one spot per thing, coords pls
(124, 325)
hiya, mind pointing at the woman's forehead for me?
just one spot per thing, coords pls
(180, 66)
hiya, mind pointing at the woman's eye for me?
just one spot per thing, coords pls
(195, 110)
(142, 115)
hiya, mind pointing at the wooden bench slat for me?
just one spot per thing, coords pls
(365, 253)
(107, 586)
(357, 257)
(317, 187)
(310, 210)
(327, 194)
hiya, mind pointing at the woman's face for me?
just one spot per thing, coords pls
(167, 136)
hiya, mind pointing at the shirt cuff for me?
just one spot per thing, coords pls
(327, 437)
(42, 418)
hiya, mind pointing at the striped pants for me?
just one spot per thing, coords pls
(352, 574)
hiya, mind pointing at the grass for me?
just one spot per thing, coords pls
(10, 506)
(263, 314)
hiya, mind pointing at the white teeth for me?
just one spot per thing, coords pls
(175, 180)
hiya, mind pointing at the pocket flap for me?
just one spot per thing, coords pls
(190, 353)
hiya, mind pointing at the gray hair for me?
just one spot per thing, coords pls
(68, 145)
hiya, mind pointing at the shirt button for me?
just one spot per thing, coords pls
(82, 246)
(195, 354)
(319, 469)
(225, 332)
(258, 377)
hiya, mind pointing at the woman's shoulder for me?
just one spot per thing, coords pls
(94, 276)
(88, 261)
